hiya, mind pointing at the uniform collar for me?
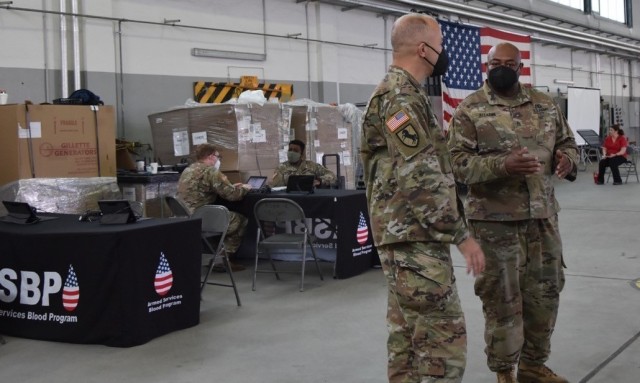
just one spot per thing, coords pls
(522, 97)
(400, 71)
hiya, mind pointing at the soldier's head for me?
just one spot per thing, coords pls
(503, 68)
(296, 151)
(208, 154)
(416, 41)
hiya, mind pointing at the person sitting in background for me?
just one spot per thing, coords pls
(296, 164)
(614, 153)
(201, 184)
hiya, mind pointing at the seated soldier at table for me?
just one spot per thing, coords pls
(202, 182)
(296, 164)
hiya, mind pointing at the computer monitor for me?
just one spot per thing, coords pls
(300, 184)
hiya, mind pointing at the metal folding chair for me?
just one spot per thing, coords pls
(215, 222)
(591, 148)
(177, 207)
(629, 166)
(271, 212)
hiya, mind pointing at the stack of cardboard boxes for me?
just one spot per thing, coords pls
(252, 138)
(57, 141)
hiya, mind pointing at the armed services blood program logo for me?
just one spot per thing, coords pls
(164, 277)
(71, 291)
(362, 237)
(363, 231)
(163, 282)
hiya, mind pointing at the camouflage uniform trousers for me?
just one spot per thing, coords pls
(427, 334)
(520, 288)
(235, 232)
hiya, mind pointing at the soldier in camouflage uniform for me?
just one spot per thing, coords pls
(202, 182)
(414, 217)
(506, 143)
(296, 164)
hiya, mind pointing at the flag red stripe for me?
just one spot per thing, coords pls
(68, 293)
(502, 35)
(69, 300)
(160, 286)
(160, 277)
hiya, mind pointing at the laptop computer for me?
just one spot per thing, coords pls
(116, 212)
(256, 182)
(22, 213)
(300, 184)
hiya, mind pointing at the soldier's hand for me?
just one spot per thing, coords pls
(521, 162)
(473, 255)
(563, 165)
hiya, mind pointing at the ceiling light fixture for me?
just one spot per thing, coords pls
(201, 52)
(565, 82)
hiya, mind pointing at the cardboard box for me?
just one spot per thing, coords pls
(56, 141)
(247, 136)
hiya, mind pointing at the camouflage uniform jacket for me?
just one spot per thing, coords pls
(410, 188)
(484, 129)
(285, 169)
(201, 184)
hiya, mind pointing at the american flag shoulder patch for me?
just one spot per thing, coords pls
(397, 120)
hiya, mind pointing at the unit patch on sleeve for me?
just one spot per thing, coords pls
(397, 120)
(409, 136)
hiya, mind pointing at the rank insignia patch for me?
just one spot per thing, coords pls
(409, 136)
(397, 120)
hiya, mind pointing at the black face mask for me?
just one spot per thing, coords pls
(441, 66)
(502, 78)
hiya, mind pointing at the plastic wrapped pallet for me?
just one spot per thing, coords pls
(66, 195)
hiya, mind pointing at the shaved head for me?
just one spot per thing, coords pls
(411, 29)
(504, 51)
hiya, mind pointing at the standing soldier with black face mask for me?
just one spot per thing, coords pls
(506, 142)
(414, 216)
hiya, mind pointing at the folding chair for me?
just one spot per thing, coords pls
(592, 147)
(629, 166)
(215, 222)
(269, 212)
(177, 207)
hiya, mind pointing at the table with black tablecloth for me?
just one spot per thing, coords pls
(83, 282)
(338, 217)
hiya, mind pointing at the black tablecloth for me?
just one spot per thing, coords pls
(341, 210)
(83, 282)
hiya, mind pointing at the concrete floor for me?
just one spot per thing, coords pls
(335, 330)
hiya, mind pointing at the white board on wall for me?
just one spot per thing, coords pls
(583, 111)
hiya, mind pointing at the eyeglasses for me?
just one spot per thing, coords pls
(509, 64)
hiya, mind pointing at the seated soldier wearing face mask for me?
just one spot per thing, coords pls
(298, 165)
(201, 184)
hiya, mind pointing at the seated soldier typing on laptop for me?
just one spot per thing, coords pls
(296, 164)
(202, 182)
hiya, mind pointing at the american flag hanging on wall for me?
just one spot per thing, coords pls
(467, 47)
